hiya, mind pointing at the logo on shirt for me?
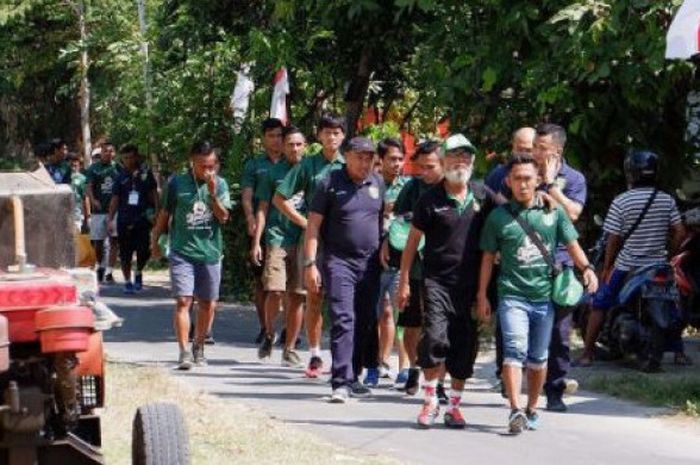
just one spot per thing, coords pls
(107, 186)
(528, 252)
(373, 192)
(548, 219)
(199, 217)
(441, 209)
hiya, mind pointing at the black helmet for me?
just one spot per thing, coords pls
(641, 166)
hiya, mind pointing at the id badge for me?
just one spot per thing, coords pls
(133, 198)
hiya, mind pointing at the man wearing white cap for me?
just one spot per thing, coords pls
(450, 217)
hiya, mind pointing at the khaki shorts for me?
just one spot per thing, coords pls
(283, 270)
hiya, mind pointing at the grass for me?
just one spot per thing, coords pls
(220, 431)
(678, 392)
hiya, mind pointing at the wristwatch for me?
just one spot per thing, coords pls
(308, 262)
(589, 267)
(548, 186)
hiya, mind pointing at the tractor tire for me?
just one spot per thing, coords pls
(160, 436)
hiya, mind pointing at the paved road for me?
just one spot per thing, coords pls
(597, 430)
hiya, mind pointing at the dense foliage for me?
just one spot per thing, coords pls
(596, 66)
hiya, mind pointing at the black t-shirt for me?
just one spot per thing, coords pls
(135, 192)
(452, 256)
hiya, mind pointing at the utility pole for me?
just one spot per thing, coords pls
(84, 84)
(143, 26)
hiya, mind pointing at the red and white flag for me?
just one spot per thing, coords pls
(683, 37)
(278, 106)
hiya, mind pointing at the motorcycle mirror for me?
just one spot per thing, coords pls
(680, 193)
(598, 220)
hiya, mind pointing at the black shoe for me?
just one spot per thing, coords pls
(556, 404)
(412, 382)
(100, 275)
(209, 339)
(442, 395)
(261, 335)
(357, 389)
(265, 349)
(109, 279)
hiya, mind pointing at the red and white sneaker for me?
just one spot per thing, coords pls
(315, 367)
(427, 416)
(454, 418)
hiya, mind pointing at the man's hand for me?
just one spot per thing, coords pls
(590, 280)
(312, 279)
(256, 254)
(210, 178)
(403, 295)
(110, 227)
(547, 200)
(551, 169)
(483, 308)
(384, 254)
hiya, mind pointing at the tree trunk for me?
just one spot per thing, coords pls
(84, 87)
(357, 91)
(143, 27)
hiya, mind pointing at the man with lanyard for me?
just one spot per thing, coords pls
(346, 216)
(282, 273)
(57, 165)
(78, 183)
(525, 283)
(254, 170)
(567, 187)
(450, 217)
(101, 176)
(646, 245)
(411, 315)
(304, 178)
(134, 196)
(194, 207)
(391, 155)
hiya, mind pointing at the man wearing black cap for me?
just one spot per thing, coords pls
(346, 215)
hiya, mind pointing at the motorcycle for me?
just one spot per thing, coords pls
(646, 320)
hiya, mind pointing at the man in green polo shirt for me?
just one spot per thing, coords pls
(525, 284)
(78, 183)
(101, 176)
(195, 205)
(254, 170)
(304, 177)
(281, 272)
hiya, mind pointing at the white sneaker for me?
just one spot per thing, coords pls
(570, 386)
(340, 395)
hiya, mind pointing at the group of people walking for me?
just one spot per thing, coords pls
(415, 263)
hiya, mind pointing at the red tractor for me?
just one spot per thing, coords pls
(52, 370)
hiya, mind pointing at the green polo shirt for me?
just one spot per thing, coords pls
(306, 175)
(393, 189)
(102, 177)
(254, 170)
(523, 271)
(78, 183)
(195, 233)
(279, 230)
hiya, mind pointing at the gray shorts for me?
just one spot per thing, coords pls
(190, 279)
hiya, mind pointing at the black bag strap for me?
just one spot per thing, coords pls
(532, 234)
(641, 216)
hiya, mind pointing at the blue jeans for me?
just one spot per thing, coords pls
(527, 330)
(388, 285)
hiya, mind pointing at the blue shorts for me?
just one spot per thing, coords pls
(388, 286)
(527, 329)
(192, 279)
(607, 295)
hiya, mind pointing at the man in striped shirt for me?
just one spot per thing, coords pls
(645, 246)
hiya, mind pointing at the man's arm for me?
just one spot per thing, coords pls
(247, 202)
(311, 274)
(260, 217)
(678, 234)
(612, 248)
(113, 206)
(219, 209)
(286, 207)
(407, 257)
(160, 227)
(91, 195)
(572, 208)
(590, 280)
(483, 307)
